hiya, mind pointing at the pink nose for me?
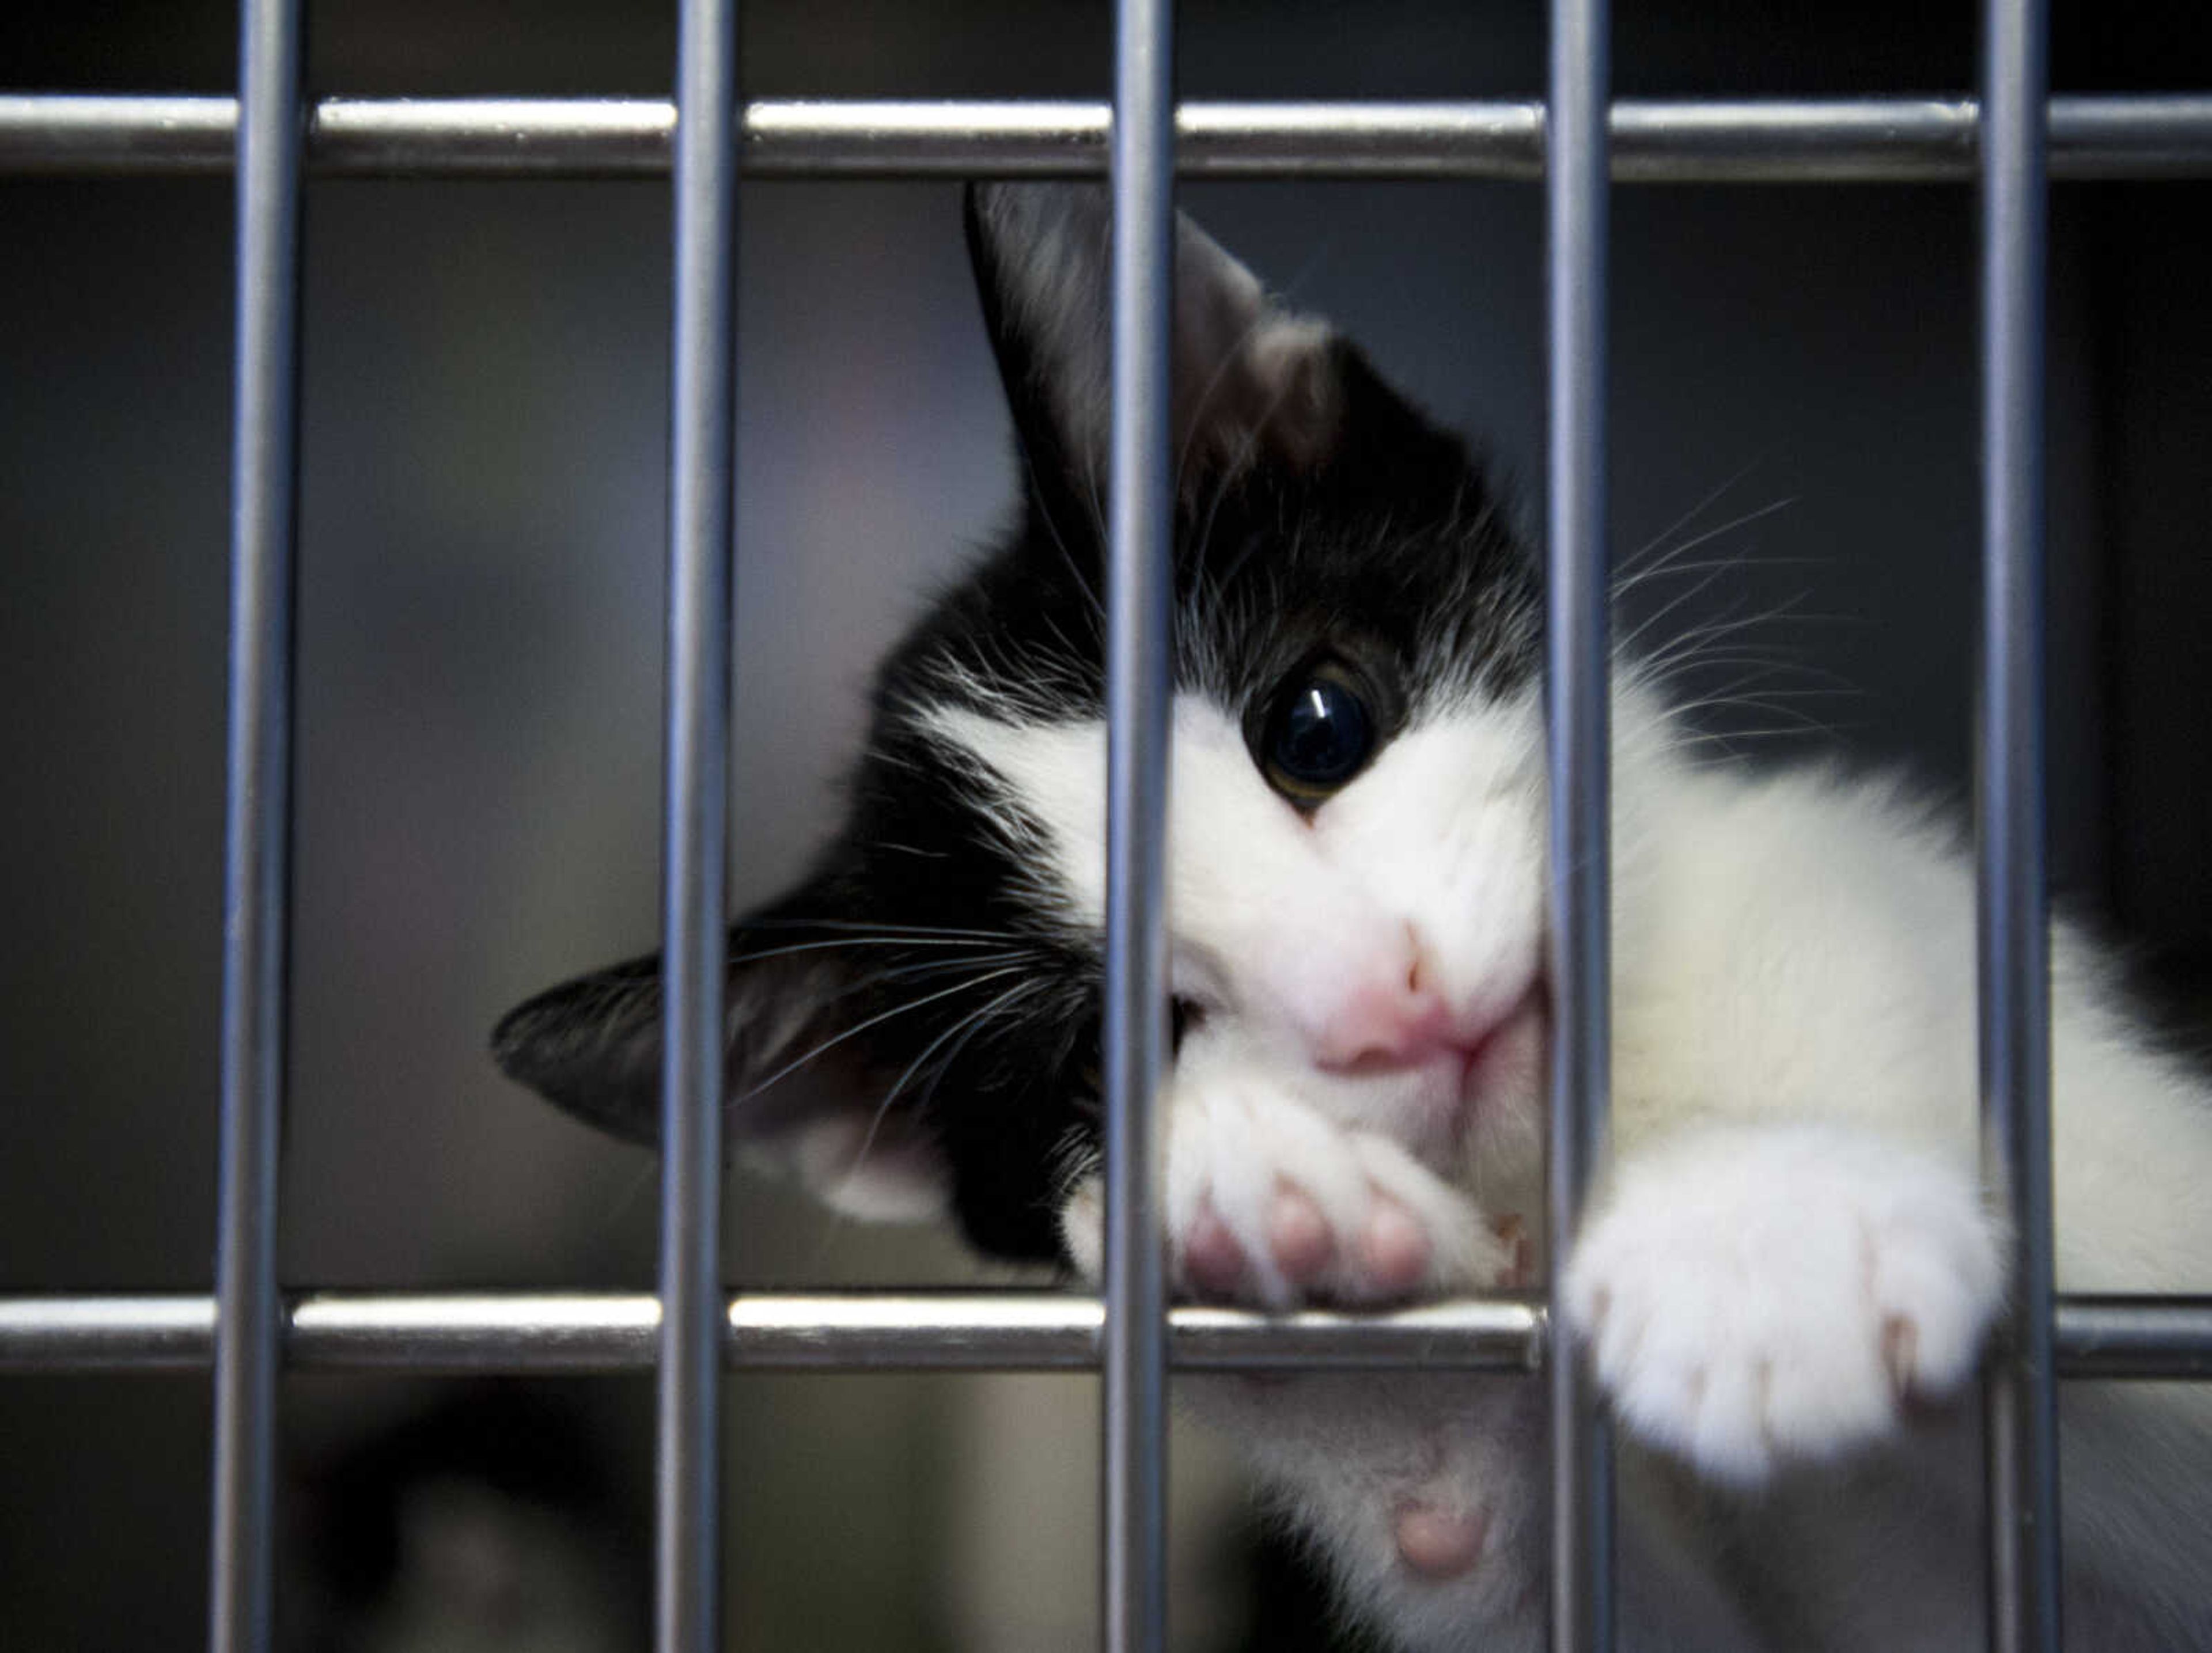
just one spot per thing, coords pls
(1386, 1021)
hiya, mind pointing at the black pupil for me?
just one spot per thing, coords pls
(1323, 734)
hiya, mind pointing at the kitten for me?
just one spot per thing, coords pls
(1792, 1250)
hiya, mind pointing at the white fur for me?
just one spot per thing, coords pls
(1757, 1293)
(1272, 914)
(1792, 1240)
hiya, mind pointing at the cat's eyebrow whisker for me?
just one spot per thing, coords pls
(1829, 685)
(1730, 623)
(1699, 639)
(1732, 689)
(1708, 630)
(1709, 571)
(1729, 527)
(1743, 559)
(858, 1028)
(1734, 607)
(1776, 657)
(1796, 730)
(1672, 672)
(1757, 703)
(1653, 545)
(1687, 739)
(1685, 595)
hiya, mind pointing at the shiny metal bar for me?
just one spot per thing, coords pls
(2144, 1338)
(113, 1332)
(257, 824)
(1139, 589)
(1578, 688)
(2013, 930)
(702, 474)
(1737, 141)
(587, 1331)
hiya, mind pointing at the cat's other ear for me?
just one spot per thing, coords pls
(1252, 382)
(798, 1095)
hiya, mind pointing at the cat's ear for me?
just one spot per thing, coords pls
(1252, 382)
(797, 1094)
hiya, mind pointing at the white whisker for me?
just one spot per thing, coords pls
(1658, 540)
(966, 1028)
(858, 1028)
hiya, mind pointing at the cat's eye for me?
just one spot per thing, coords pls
(1320, 732)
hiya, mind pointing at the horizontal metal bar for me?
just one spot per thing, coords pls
(1821, 140)
(616, 1332)
(2133, 1337)
(580, 1332)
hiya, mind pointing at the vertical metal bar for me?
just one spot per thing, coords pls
(1139, 586)
(2014, 924)
(257, 848)
(702, 509)
(1577, 682)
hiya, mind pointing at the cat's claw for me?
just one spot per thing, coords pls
(1269, 1202)
(1771, 1294)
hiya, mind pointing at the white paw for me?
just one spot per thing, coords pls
(1757, 1296)
(1269, 1202)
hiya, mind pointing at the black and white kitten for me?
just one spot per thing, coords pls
(1792, 1248)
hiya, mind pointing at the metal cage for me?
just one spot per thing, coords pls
(2011, 139)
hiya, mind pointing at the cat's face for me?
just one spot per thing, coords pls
(1355, 845)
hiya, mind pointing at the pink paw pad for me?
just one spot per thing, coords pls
(1299, 1236)
(1395, 1249)
(1439, 1543)
(1211, 1256)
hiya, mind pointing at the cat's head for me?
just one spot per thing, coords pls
(1355, 848)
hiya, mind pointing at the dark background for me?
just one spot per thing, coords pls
(481, 526)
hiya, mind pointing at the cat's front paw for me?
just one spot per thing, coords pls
(1270, 1202)
(1755, 1296)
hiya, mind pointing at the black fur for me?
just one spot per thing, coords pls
(1376, 541)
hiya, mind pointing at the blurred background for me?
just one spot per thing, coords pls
(482, 524)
